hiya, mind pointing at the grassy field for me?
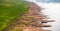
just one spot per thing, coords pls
(10, 9)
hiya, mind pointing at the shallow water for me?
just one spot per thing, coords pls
(53, 11)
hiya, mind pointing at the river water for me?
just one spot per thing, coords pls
(53, 12)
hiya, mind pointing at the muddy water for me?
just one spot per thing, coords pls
(53, 12)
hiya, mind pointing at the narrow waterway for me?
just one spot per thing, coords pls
(53, 12)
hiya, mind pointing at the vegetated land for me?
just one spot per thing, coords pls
(10, 9)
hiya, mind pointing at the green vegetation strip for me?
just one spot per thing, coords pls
(17, 30)
(10, 9)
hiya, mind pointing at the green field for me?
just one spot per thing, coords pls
(10, 9)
